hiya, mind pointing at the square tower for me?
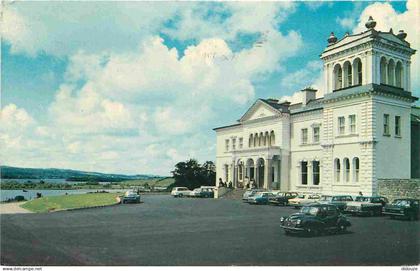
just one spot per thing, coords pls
(368, 57)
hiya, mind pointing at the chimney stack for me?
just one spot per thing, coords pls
(308, 94)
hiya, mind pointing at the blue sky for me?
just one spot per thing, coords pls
(134, 87)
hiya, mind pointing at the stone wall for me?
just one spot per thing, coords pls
(399, 188)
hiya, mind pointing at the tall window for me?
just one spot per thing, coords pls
(255, 140)
(272, 139)
(346, 169)
(397, 125)
(233, 143)
(241, 142)
(383, 70)
(337, 168)
(304, 172)
(316, 134)
(341, 125)
(240, 171)
(348, 74)
(251, 141)
(386, 124)
(352, 120)
(356, 169)
(227, 144)
(338, 77)
(315, 172)
(305, 136)
(358, 71)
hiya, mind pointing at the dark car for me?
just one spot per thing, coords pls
(405, 208)
(366, 205)
(339, 201)
(282, 198)
(315, 219)
(130, 197)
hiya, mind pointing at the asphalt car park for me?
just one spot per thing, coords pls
(186, 231)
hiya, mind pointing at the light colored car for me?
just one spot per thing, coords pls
(249, 193)
(366, 205)
(180, 192)
(302, 200)
(203, 192)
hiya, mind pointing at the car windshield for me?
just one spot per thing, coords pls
(401, 202)
(258, 194)
(280, 194)
(301, 196)
(326, 198)
(362, 199)
(308, 210)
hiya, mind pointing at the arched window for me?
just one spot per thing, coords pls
(391, 72)
(260, 139)
(337, 169)
(272, 139)
(338, 77)
(251, 141)
(348, 75)
(346, 169)
(255, 140)
(355, 169)
(398, 74)
(383, 70)
(357, 68)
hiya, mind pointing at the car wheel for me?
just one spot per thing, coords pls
(342, 228)
(180, 195)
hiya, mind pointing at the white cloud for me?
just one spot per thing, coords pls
(145, 108)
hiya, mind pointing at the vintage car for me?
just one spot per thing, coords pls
(282, 198)
(314, 219)
(405, 208)
(249, 193)
(179, 192)
(260, 198)
(130, 197)
(339, 201)
(302, 200)
(202, 192)
(366, 205)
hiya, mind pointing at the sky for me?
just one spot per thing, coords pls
(135, 87)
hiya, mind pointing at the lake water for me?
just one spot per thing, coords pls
(31, 194)
(45, 180)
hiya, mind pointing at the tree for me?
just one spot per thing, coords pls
(192, 175)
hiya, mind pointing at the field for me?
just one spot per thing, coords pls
(151, 182)
(55, 203)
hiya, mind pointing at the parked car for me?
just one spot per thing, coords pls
(130, 197)
(203, 192)
(282, 198)
(180, 192)
(366, 205)
(405, 208)
(260, 198)
(339, 201)
(314, 219)
(302, 200)
(249, 193)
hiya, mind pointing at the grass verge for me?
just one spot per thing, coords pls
(56, 203)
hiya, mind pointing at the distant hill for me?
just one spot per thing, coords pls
(68, 174)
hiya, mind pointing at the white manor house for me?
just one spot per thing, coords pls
(342, 143)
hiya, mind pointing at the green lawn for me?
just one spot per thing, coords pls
(152, 182)
(54, 203)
